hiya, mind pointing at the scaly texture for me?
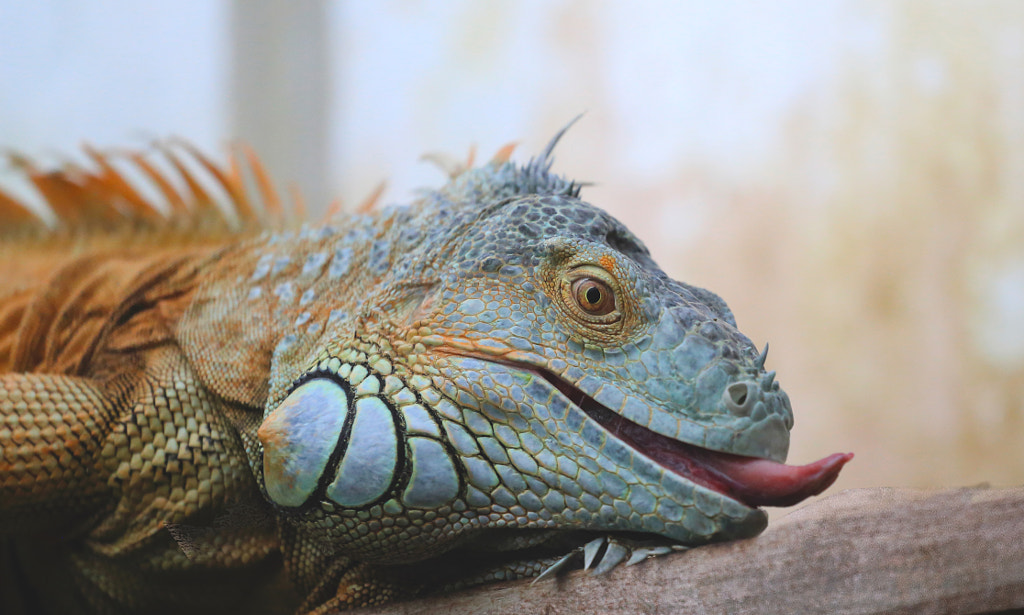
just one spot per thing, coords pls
(469, 388)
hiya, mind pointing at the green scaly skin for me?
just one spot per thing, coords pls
(415, 399)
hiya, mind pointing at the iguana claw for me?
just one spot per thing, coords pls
(608, 552)
(619, 550)
(554, 568)
(590, 551)
(642, 553)
(613, 556)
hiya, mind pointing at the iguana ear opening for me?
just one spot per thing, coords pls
(412, 304)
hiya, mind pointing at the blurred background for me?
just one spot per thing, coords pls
(848, 175)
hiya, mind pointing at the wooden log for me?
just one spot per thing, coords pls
(886, 550)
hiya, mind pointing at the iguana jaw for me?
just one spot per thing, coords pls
(751, 481)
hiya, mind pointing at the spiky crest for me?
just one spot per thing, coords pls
(500, 179)
(536, 177)
(103, 200)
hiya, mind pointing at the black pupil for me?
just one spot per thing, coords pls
(593, 295)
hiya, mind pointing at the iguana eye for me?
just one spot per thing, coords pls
(593, 296)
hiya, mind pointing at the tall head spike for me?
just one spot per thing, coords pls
(761, 358)
(545, 159)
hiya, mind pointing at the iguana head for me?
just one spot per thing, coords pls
(527, 365)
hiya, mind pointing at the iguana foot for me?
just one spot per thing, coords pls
(608, 552)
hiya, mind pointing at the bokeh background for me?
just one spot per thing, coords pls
(849, 175)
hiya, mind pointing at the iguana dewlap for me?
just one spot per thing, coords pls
(200, 415)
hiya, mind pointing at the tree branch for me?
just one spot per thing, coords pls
(861, 551)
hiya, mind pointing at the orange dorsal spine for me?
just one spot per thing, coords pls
(59, 284)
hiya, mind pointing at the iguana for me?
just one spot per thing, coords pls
(198, 414)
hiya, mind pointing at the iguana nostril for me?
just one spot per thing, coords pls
(740, 397)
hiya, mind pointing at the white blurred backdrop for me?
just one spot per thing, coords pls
(849, 175)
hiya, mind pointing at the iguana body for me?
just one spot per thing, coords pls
(420, 397)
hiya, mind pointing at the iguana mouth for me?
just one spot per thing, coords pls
(751, 481)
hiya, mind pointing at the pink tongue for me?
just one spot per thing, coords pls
(752, 481)
(761, 482)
